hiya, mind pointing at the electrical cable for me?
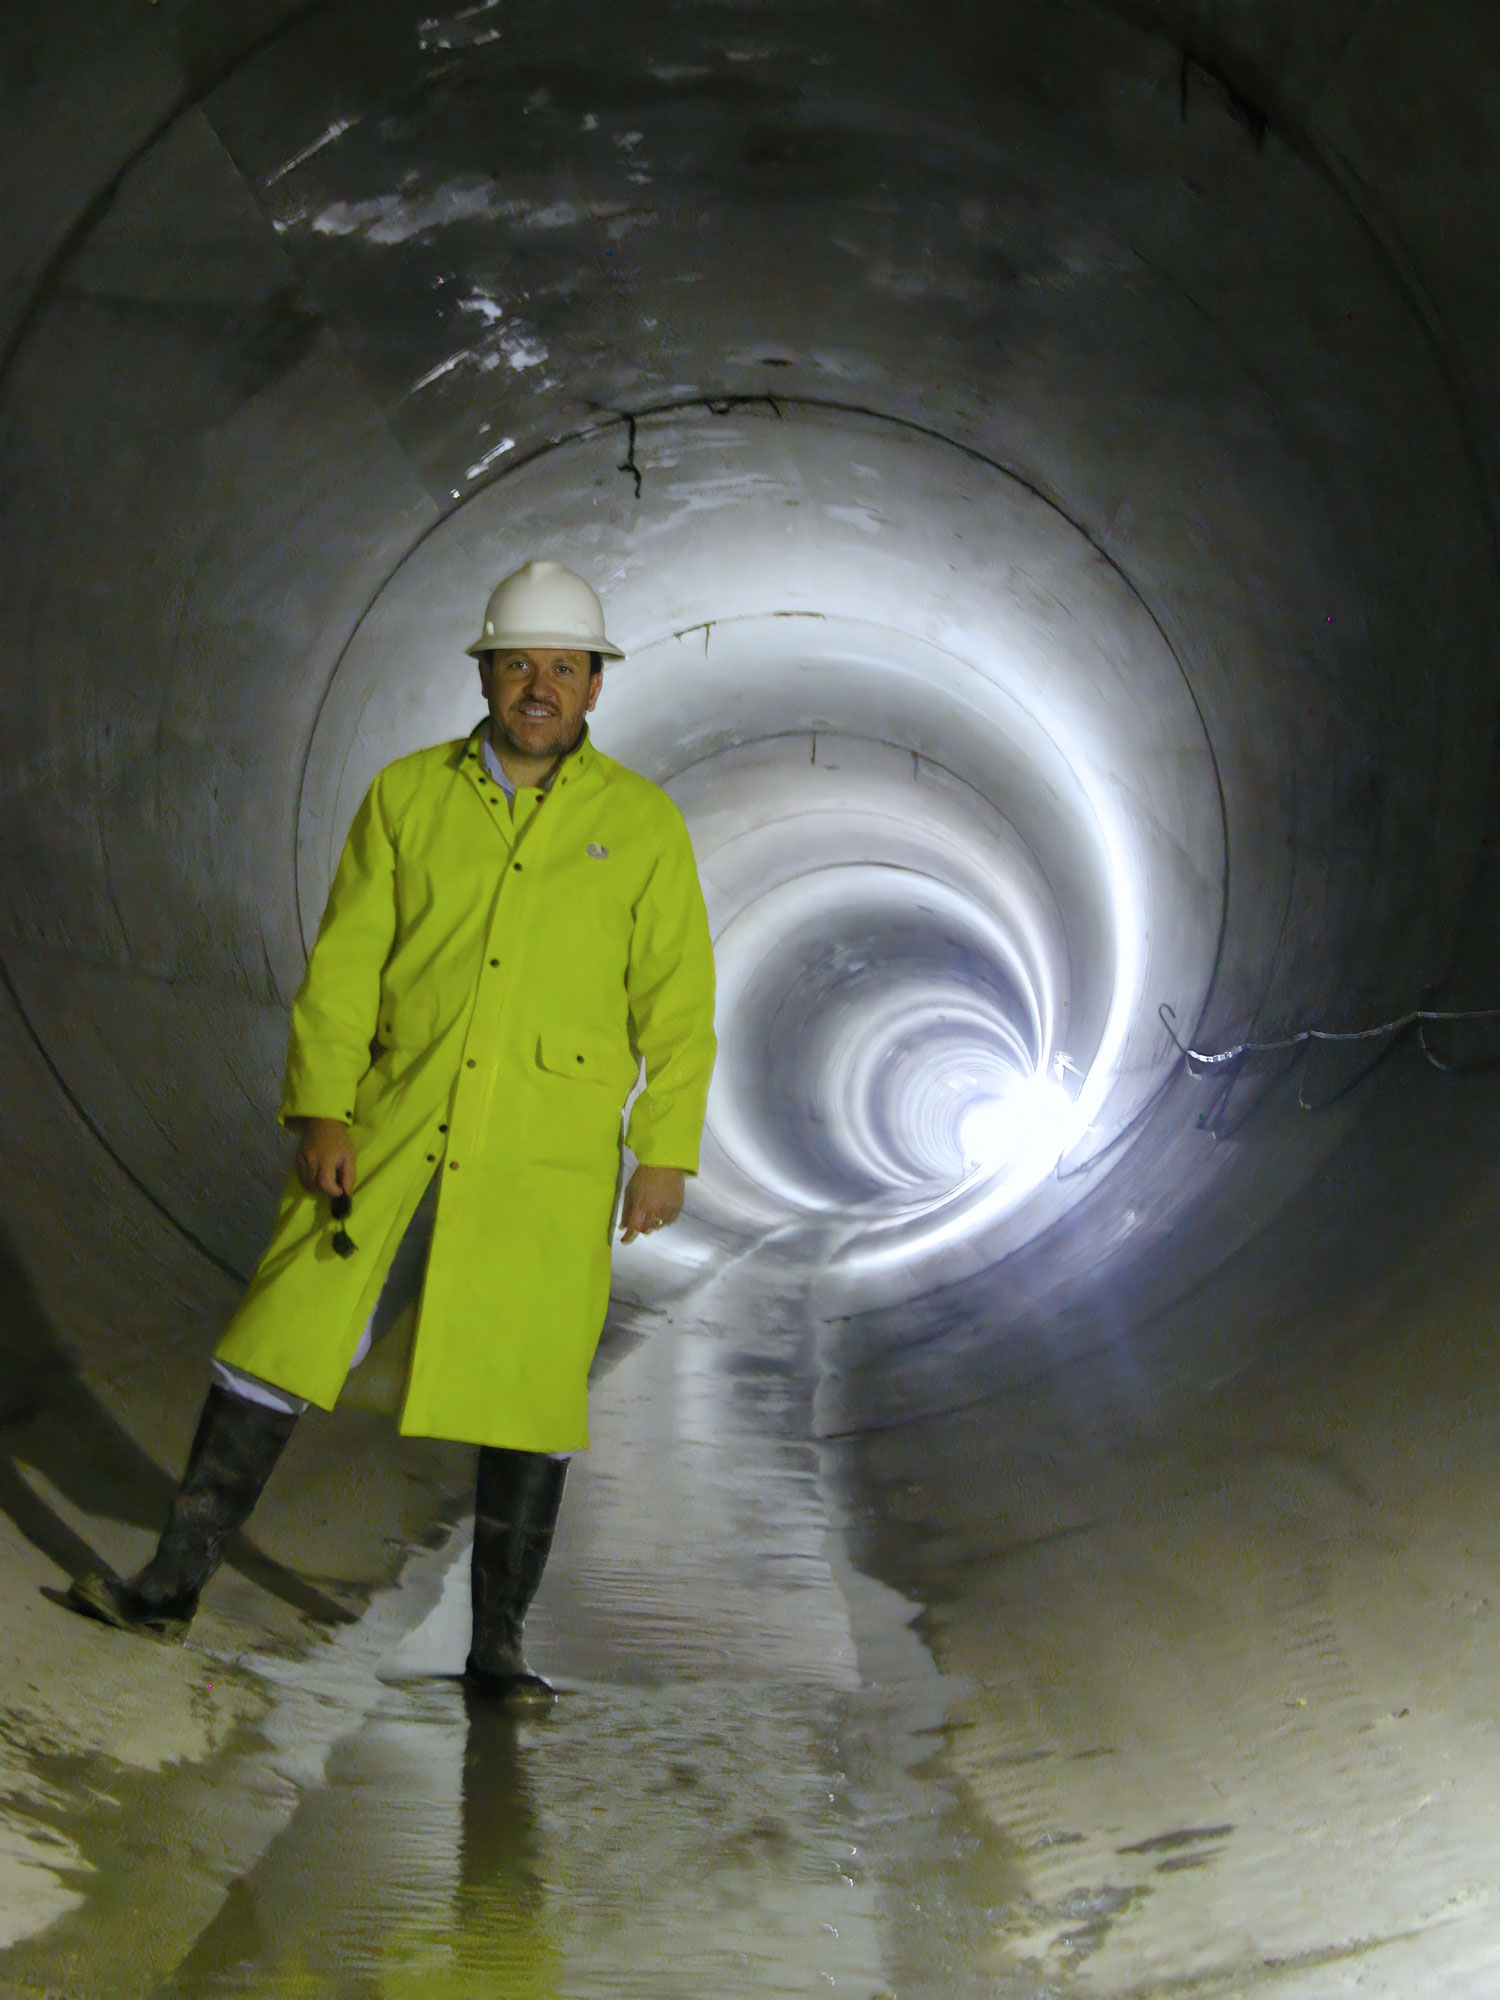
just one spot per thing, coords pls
(1200, 1062)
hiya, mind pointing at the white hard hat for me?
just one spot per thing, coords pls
(544, 604)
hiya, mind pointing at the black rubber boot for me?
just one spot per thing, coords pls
(234, 1452)
(515, 1513)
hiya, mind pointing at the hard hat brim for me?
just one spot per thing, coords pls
(567, 642)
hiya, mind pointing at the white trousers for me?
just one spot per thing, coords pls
(402, 1287)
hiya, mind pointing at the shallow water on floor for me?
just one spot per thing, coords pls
(726, 1797)
(1197, 1722)
(627, 1841)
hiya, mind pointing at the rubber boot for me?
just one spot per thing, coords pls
(515, 1513)
(233, 1454)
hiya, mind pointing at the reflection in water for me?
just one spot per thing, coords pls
(1217, 1721)
(658, 1844)
(504, 1940)
(706, 1810)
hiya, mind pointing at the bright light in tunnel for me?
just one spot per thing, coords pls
(907, 760)
(1025, 1128)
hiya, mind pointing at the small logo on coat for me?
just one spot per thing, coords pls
(596, 852)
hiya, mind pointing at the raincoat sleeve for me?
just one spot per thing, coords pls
(337, 1007)
(670, 984)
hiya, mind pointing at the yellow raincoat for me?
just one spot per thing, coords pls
(481, 992)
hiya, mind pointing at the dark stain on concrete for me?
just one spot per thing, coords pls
(1169, 1843)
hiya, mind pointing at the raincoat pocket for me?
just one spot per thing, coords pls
(406, 1024)
(587, 1058)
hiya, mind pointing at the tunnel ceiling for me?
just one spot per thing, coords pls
(1038, 459)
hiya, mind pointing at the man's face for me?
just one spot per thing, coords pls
(538, 698)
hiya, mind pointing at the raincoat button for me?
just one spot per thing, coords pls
(472, 1063)
(518, 867)
(453, 1166)
(432, 1156)
(442, 1128)
(494, 961)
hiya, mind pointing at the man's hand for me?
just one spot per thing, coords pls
(653, 1199)
(325, 1157)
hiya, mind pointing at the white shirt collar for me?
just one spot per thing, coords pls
(498, 772)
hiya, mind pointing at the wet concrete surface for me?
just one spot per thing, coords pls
(1105, 1687)
(740, 1735)
(1142, 1641)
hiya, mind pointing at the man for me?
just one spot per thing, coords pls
(515, 926)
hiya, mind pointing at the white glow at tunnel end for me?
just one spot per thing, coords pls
(1023, 1130)
(912, 784)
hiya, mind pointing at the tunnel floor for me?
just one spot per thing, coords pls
(1202, 1705)
(1039, 464)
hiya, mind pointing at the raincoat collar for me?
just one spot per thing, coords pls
(579, 761)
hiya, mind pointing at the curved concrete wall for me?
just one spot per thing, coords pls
(1042, 460)
(1042, 415)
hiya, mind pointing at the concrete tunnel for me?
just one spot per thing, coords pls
(1040, 1535)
